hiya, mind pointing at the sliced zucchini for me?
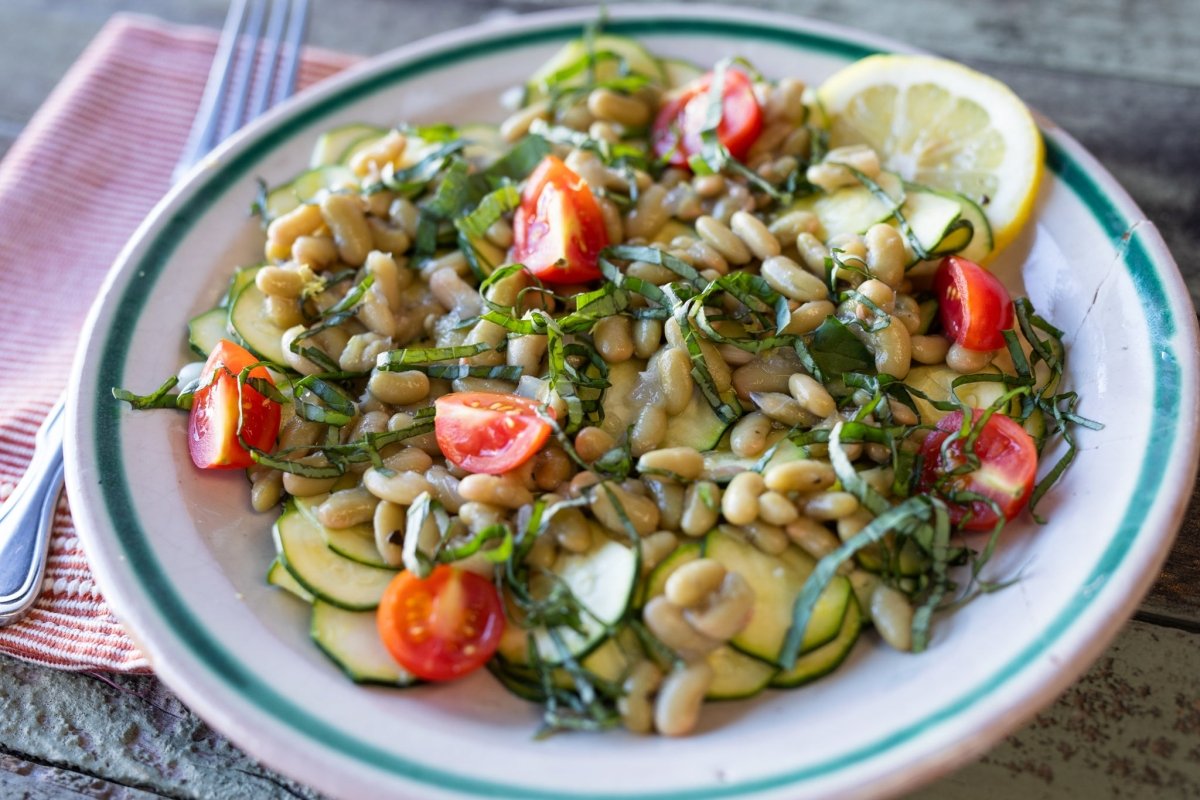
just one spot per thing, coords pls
(653, 586)
(356, 543)
(306, 187)
(602, 580)
(484, 143)
(697, 426)
(252, 327)
(327, 575)
(777, 581)
(351, 639)
(737, 675)
(205, 330)
(241, 276)
(929, 216)
(852, 209)
(278, 576)
(936, 382)
(636, 58)
(910, 561)
(980, 245)
(332, 145)
(827, 657)
(680, 72)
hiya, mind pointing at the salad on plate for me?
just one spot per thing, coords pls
(665, 390)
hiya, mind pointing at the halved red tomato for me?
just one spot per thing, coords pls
(443, 626)
(558, 230)
(213, 423)
(975, 307)
(1006, 473)
(677, 128)
(492, 433)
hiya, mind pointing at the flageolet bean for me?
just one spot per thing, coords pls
(892, 348)
(665, 620)
(748, 438)
(517, 124)
(701, 508)
(622, 109)
(668, 496)
(766, 537)
(399, 388)
(739, 503)
(751, 230)
(812, 253)
(343, 214)
(722, 239)
(675, 377)
(908, 311)
(504, 491)
(790, 225)
(478, 516)
(347, 508)
(831, 175)
(809, 316)
(551, 467)
(613, 337)
(301, 486)
(684, 462)
(647, 337)
(677, 709)
(648, 215)
(388, 525)
(455, 294)
(965, 361)
(812, 394)
(709, 186)
(648, 430)
(284, 312)
(384, 150)
(886, 254)
(775, 509)
(526, 352)
(279, 282)
(315, 252)
(691, 583)
(571, 530)
(893, 616)
(830, 505)
(641, 512)
(656, 547)
(812, 537)
(786, 277)
(725, 611)
(592, 442)
(267, 491)
(637, 712)
(783, 408)
(284, 230)
(401, 488)
(929, 349)
(849, 526)
(803, 475)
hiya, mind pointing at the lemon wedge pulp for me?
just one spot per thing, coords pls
(941, 124)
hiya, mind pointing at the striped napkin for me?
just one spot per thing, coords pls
(91, 164)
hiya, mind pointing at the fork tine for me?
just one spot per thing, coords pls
(270, 76)
(240, 90)
(297, 26)
(203, 135)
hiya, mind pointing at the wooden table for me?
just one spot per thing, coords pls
(1122, 76)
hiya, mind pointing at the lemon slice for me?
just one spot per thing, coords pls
(944, 125)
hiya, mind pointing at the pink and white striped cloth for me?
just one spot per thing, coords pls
(91, 164)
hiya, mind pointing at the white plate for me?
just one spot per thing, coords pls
(182, 559)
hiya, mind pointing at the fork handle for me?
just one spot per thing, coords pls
(26, 519)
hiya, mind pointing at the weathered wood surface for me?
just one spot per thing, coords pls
(1123, 76)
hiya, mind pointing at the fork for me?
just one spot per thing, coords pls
(231, 97)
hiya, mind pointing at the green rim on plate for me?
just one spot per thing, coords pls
(241, 679)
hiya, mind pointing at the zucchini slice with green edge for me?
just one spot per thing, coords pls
(636, 58)
(351, 639)
(632, 384)
(279, 577)
(306, 187)
(333, 145)
(736, 675)
(981, 244)
(679, 72)
(250, 325)
(851, 209)
(937, 382)
(205, 330)
(697, 426)
(328, 576)
(826, 658)
(776, 581)
(656, 582)
(602, 580)
(356, 543)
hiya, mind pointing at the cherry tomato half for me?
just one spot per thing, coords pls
(975, 307)
(212, 425)
(492, 433)
(1006, 473)
(558, 230)
(443, 626)
(676, 130)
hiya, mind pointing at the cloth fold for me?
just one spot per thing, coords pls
(91, 164)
